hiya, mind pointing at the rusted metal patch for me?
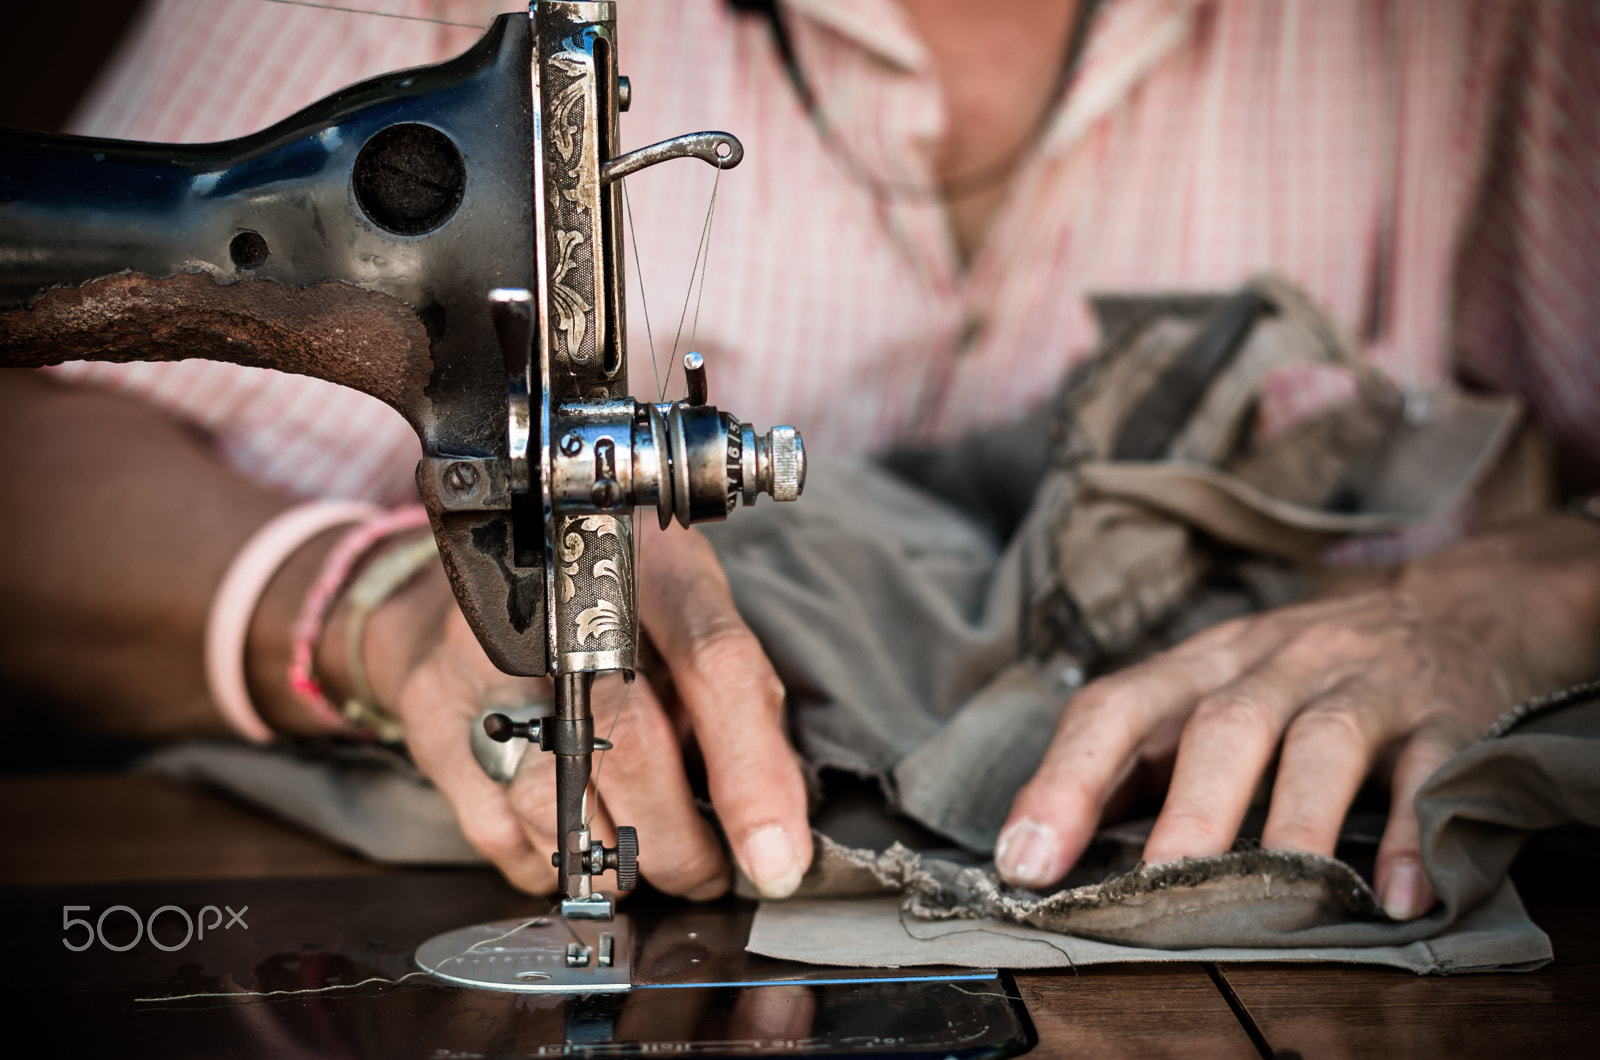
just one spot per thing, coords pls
(366, 340)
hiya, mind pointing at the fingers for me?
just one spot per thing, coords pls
(735, 702)
(438, 703)
(1327, 753)
(1224, 751)
(1402, 887)
(642, 783)
(1101, 729)
(1229, 742)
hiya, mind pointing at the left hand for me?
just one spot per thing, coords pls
(1394, 677)
(425, 661)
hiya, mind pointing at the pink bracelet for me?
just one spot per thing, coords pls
(322, 596)
(239, 592)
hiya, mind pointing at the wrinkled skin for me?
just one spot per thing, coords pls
(1389, 678)
(723, 691)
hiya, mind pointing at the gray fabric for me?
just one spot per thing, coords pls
(928, 637)
(872, 932)
(365, 799)
(1538, 769)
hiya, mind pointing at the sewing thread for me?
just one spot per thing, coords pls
(262, 995)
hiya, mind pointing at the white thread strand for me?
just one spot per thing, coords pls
(375, 14)
(638, 554)
(711, 213)
(260, 995)
(600, 761)
(638, 270)
(987, 931)
(700, 252)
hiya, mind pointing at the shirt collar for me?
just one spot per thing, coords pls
(879, 27)
(1128, 41)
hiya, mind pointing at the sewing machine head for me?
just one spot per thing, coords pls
(449, 240)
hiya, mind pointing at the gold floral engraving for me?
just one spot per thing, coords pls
(571, 310)
(566, 131)
(568, 128)
(604, 617)
(571, 552)
(604, 525)
(607, 568)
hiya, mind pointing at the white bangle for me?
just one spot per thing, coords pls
(234, 605)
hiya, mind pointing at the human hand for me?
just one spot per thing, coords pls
(425, 662)
(1393, 677)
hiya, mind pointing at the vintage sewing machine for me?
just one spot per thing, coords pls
(449, 240)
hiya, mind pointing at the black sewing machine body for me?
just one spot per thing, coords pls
(448, 240)
(287, 206)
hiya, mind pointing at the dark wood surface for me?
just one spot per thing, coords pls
(115, 827)
(109, 827)
(1320, 1010)
(1132, 1011)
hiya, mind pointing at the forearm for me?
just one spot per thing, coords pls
(116, 526)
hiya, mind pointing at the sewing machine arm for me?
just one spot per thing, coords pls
(448, 240)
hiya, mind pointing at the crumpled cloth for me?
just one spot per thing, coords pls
(366, 799)
(1538, 769)
(931, 614)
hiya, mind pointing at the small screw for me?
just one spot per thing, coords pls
(572, 444)
(461, 478)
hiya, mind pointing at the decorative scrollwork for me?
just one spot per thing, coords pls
(604, 617)
(568, 113)
(604, 525)
(608, 568)
(571, 309)
(571, 552)
(566, 132)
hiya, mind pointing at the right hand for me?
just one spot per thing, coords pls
(427, 666)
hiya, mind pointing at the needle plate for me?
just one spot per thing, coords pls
(537, 956)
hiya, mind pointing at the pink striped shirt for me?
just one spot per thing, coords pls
(1429, 170)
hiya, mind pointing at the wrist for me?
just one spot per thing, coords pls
(367, 649)
(315, 553)
(270, 645)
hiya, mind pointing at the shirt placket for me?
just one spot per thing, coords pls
(880, 104)
(1026, 260)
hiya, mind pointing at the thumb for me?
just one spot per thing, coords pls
(735, 703)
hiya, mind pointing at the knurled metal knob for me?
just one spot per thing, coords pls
(784, 469)
(627, 858)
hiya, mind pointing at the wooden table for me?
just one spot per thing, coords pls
(113, 827)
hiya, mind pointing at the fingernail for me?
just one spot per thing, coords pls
(771, 863)
(1402, 891)
(1026, 853)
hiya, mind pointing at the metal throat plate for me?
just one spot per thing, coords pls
(549, 955)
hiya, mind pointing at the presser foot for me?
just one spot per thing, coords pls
(545, 955)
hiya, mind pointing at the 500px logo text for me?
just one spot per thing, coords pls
(193, 927)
